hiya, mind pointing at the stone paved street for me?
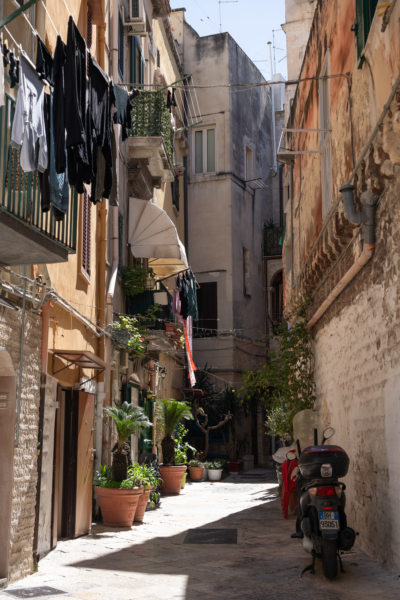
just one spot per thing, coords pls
(152, 562)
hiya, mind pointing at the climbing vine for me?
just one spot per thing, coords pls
(285, 382)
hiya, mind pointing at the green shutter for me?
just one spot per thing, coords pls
(132, 48)
(365, 10)
(198, 151)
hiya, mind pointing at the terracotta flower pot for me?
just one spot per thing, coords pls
(171, 476)
(141, 505)
(118, 506)
(196, 473)
(234, 466)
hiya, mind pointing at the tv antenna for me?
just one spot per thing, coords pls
(224, 2)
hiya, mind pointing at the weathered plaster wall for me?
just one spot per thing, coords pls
(356, 340)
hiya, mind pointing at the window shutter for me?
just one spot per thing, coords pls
(132, 41)
(365, 10)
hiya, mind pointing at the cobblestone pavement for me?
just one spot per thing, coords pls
(153, 561)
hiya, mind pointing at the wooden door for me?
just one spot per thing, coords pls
(84, 464)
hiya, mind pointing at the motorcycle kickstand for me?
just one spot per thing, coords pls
(311, 567)
(340, 563)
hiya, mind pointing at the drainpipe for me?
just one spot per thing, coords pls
(363, 217)
(274, 160)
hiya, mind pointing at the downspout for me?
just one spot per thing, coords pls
(363, 217)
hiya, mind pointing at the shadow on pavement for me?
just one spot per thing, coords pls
(264, 564)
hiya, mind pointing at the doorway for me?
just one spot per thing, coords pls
(74, 456)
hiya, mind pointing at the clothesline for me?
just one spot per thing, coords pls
(51, 20)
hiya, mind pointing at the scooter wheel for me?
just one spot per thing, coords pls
(329, 558)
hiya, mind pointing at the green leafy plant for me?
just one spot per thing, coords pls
(128, 419)
(285, 383)
(182, 447)
(128, 332)
(195, 462)
(173, 413)
(135, 279)
(214, 464)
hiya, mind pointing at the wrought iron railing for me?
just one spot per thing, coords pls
(20, 195)
(151, 117)
(273, 241)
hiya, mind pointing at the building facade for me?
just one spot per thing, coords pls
(341, 246)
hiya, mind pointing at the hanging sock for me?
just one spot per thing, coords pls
(12, 70)
(173, 101)
(5, 55)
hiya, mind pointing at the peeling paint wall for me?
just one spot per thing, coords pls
(356, 341)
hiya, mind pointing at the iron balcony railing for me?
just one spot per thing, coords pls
(20, 195)
(273, 241)
(151, 118)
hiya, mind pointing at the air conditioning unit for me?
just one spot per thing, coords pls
(136, 19)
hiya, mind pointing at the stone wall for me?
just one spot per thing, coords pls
(25, 454)
(357, 350)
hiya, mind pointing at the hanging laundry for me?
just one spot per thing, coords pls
(28, 129)
(58, 105)
(188, 333)
(12, 70)
(54, 186)
(5, 55)
(192, 296)
(44, 62)
(75, 109)
(101, 98)
(182, 286)
(123, 110)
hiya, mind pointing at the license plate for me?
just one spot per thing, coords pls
(328, 520)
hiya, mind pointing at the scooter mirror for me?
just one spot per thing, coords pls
(328, 433)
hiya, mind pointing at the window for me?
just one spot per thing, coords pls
(249, 164)
(137, 61)
(175, 192)
(365, 10)
(325, 139)
(207, 303)
(86, 236)
(120, 46)
(204, 150)
(246, 272)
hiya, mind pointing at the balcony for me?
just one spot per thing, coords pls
(273, 241)
(150, 142)
(28, 235)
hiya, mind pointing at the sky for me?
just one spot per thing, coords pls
(251, 23)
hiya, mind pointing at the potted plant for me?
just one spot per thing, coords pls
(214, 469)
(182, 448)
(127, 333)
(146, 476)
(117, 490)
(171, 474)
(136, 279)
(196, 469)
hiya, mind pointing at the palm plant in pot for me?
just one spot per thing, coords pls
(171, 474)
(117, 490)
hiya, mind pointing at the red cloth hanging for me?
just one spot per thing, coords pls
(288, 483)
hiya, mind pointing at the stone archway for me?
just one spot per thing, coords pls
(7, 426)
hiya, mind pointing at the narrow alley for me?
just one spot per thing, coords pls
(224, 540)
